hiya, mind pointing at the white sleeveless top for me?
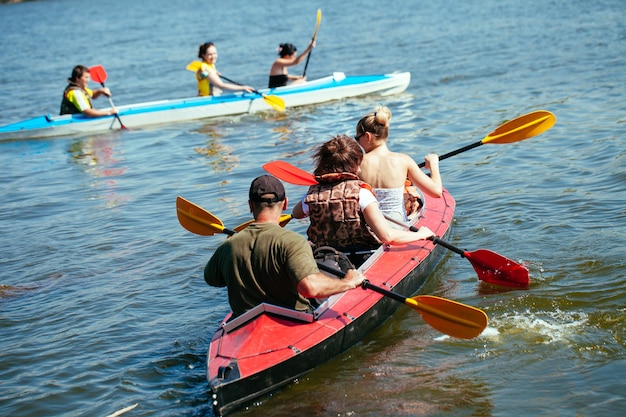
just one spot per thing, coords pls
(391, 202)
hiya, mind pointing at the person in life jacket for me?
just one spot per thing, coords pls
(209, 82)
(387, 172)
(343, 210)
(77, 96)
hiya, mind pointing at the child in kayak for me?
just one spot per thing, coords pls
(77, 96)
(279, 76)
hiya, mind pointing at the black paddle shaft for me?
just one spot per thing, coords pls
(458, 151)
(236, 83)
(365, 285)
(438, 241)
(446, 245)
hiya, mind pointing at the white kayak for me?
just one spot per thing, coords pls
(335, 87)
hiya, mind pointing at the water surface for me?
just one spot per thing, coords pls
(102, 302)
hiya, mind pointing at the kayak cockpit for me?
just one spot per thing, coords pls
(284, 312)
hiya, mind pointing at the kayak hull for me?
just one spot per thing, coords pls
(269, 347)
(335, 87)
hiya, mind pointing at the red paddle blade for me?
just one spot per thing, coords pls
(98, 74)
(495, 269)
(289, 173)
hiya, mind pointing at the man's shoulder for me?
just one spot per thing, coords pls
(285, 233)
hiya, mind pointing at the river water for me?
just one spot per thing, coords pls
(102, 301)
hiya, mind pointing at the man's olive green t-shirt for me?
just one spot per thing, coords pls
(262, 263)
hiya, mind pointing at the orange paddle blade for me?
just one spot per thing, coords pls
(450, 317)
(196, 219)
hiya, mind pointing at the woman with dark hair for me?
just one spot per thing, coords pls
(342, 209)
(209, 82)
(77, 96)
(288, 57)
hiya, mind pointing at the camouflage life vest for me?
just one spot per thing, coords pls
(336, 218)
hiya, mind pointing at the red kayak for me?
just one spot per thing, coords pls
(270, 346)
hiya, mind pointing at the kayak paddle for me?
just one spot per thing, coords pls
(317, 26)
(490, 266)
(450, 317)
(518, 129)
(99, 75)
(290, 173)
(275, 102)
(201, 222)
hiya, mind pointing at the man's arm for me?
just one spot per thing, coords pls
(212, 271)
(321, 286)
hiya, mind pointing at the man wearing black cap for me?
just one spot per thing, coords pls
(267, 263)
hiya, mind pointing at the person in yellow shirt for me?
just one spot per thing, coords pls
(77, 96)
(209, 82)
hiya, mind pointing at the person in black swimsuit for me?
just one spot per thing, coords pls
(288, 56)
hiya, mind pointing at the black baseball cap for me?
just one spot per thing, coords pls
(263, 187)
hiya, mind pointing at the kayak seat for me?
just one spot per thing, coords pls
(265, 308)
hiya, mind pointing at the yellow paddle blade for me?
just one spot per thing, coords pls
(284, 219)
(275, 102)
(194, 66)
(243, 226)
(196, 219)
(523, 127)
(317, 25)
(450, 317)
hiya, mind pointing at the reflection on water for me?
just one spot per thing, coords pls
(220, 157)
(98, 156)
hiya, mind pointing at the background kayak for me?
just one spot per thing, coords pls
(334, 87)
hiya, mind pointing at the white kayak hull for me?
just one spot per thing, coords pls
(335, 87)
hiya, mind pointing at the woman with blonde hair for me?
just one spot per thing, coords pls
(387, 171)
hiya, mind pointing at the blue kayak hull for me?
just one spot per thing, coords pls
(335, 87)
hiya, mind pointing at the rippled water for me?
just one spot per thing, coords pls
(102, 303)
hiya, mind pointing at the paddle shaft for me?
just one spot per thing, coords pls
(454, 322)
(456, 152)
(366, 284)
(490, 266)
(317, 25)
(236, 83)
(275, 102)
(435, 239)
(117, 116)
(306, 64)
(520, 128)
(99, 74)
